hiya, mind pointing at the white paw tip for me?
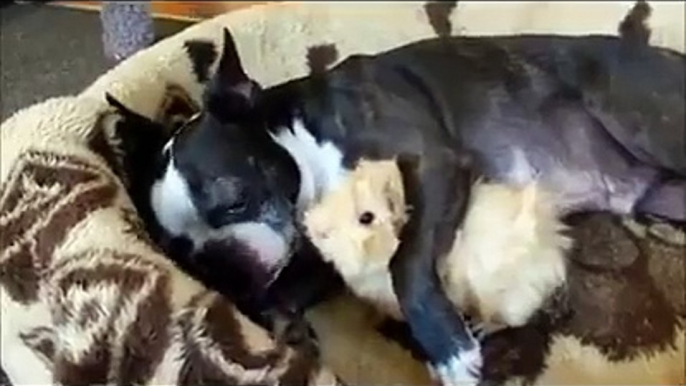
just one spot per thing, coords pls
(463, 369)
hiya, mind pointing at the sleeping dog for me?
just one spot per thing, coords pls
(223, 264)
(585, 118)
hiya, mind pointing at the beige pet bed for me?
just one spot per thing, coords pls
(87, 299)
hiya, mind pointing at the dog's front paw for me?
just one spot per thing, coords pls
(479, 330)
(295, 331)
(463, 369)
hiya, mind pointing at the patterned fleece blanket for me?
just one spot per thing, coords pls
(86, 298)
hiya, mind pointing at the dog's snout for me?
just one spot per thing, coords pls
(221, 215)
(216, 218)
(278, 215)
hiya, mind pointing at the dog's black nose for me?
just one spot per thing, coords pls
(215, 218)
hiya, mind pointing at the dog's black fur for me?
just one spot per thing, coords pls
(141, 142)
(305, 281)
(599, 118)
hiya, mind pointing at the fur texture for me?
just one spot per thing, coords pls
(500, 274)
(503, 274)
(361, 252)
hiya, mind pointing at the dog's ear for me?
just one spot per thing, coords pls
(120, 107)
(230, 69)
(133, 119)
(231, 93)
(126, 112)
(177, 107)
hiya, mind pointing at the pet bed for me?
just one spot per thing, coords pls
(87, 299)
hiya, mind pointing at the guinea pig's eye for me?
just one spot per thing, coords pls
(366, 218)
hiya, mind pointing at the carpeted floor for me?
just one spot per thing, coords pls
(47, 51)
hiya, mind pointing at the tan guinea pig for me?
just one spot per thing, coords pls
(507, 259)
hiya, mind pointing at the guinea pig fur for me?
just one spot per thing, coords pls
(508, 256)
(356, 227)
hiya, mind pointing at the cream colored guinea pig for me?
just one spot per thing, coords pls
(507, 259)
(356, 229)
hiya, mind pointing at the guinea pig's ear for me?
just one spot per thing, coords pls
(231, 92)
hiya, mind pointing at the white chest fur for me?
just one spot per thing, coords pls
(320, 164)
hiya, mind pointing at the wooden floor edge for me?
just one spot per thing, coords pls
(96, 8)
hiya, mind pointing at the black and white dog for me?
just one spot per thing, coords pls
(597, 120)
(223, 263)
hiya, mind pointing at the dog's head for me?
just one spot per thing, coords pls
(225, 180)
(356, 227)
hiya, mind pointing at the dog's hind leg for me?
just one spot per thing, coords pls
(667, 200)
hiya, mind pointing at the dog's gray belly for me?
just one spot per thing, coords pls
(636, 91)
(568, 152)
(620, 146)
(599, 125)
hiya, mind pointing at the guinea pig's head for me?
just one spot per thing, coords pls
(356, 227)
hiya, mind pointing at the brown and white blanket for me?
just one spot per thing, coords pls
(86, 298)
